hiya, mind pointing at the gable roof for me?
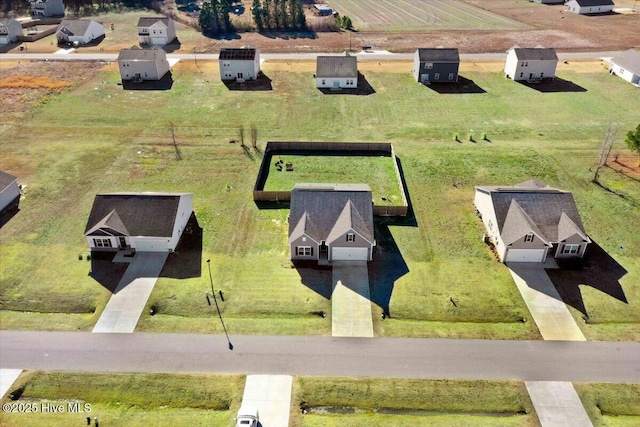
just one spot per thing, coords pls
(149, 21)
(74, 27)
(337, 66)
(136, 53)
(535, 53)
(629, 60)
(525, 208)
(6, 179)
(326, 211)
(592, 3)
(134, 214)
(239, 54)
(438, 55)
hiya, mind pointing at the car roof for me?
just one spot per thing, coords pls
(248, 410)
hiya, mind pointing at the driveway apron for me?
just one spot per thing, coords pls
(557, 404)
(350, 300)
(271, 395)
(7, 378)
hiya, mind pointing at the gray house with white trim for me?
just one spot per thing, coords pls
(80, 31)
(627, 66)
(47, 8)
(239, 64)
(530, 64)
(588, 7)
(530, 220)
(331, 222)
(156, 30)
(337, 72)
(9, 31)
(436, 65)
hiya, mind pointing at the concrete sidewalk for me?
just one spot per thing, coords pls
(350, 300)
(557, 404)
(545, 304)
(7, 378)
(271, 394)
(130, 297)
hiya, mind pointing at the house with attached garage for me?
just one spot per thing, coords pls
(627, 66)
(530, 220)
(9, 193)
(239, 64)
(157, 31)
(436, 65)
(138, 64)
(47, 8)
(9, 31)
(337, 72)
(149, 222)
(79, 31)
(331, 222)
(587, 7)
(530, 64)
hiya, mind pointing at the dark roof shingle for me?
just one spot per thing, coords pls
(438, 55)
(6, 179)
(241, 54)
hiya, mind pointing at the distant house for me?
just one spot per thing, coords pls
(337, 72)
(239, 64)
(586, 7)
(138, 64)
(9, 193)
(322, 9)
(47, 8)
(331, 222)
(530, 64)
(627, 67)
(530, 220)
(80, 31)
(151, 222)
(156, 31)
(436, 65)
(549, 1)
(9, 31)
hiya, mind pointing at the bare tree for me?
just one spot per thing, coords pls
(254, 137)
(607, 143)
(175, 144)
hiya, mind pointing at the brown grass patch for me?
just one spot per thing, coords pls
(33, 82)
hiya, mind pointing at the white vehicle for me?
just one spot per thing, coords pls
(247, 417)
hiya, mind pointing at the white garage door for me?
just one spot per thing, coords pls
(349, 254)
(525, 255)
(151, 245)
(158, 40)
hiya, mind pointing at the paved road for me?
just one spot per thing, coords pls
(381, 357)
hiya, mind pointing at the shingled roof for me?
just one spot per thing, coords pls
(533, 207)
(439, 55)
(133, 214)
(149, 21)
(337, 66)
(535, 53)
(136, 53)
(73, 27)
(6, 179)
(592, 3)
(327, 211)
(629, 60)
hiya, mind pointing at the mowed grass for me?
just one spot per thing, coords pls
(615, 405)
(99, 138)
(414, 15)
(125, 399)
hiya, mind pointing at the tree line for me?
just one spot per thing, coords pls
(214, 17)
(278, 15)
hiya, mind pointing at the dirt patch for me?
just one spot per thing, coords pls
(627, 165)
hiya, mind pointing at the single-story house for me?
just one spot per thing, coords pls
(156, 31)
(337, 72)
(586, 7)
(530, 64)
(9, 193)
(9, 31)
(143, 64)
(47, 8)
(530, 220)
(322, 9)
(80, 31)
(627, 66)
(239, 64)
(436, 65)
(150, 222)
(331, 222)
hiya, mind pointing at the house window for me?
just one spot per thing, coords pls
(351, 237)
(304, 250)
(520, 75)
(437, 76)
(450, 76)
(570, 249)
(428, 65)
(323, 81)
(528, 237)
(102, 243)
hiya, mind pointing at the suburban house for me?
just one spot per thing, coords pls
(549, 1)
(627, 66)
(9, 193)
(528, 221)
(322, 9)
(239, 64)
(331, 222)
(9, 31)
(150, 222)
(530, 64)
(156, 31)
(337, 72)
(47, 8)
(586, 7)
(79, 31)
(436, 65)
(138, 64)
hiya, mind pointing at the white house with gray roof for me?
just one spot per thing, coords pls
(9, 31)
(331, 222)
(80, 31)
(588, 7)
(138, 64)
(47, 8)
(530, 220)
(239, 64)
(9, 192)
(530, 64)
(157, 31)
(337, 72)
(150, 222)
(627, 67)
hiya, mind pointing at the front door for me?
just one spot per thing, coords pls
(123, 243)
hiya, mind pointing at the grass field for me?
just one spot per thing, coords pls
(423, 15)
(96, 137)
(615, 405)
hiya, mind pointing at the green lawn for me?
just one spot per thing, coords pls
(611, 405)
(98, 138)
